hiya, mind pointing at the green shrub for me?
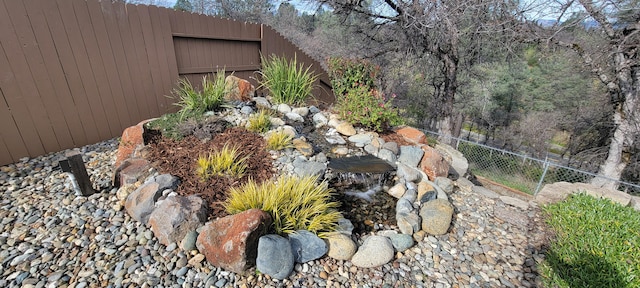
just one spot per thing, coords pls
(279, 140)
(192, 101)
(368, 108)
(224, 162)
(170, 124)
(293, 203)
(287, 81)
(347, 74)
(259, 122)
(597, 244)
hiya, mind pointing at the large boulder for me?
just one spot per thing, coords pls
(131, 171)
(410, 155)
(275, 257)
(307, 246)
(459, 164)
(433, 164)
(238, 89)
(436, 216)
(176, 216)
(411, 134)
(232, 241)
(558, 191)
(141, 202)
(375, 251)
(132, 138)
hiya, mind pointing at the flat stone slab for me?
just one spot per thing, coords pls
(360, 164)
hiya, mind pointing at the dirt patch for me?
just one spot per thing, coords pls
(179, 158)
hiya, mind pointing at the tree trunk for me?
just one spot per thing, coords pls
(446, 122)
(627, 120)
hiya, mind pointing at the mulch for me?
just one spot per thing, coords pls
(179, 158)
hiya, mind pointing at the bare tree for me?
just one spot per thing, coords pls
(446, 31)
(614, 61)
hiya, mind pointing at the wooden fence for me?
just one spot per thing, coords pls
(77, 72)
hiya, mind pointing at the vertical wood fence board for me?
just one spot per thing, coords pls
(159, 37)
(81, 56)
(38, 34)
(110, 79)
(70, 70)
(9, 130)
(15, 71)
(152, 55)
(146, 83)
(91, 34)
(170, 56)
(64, 104)
(121, 44)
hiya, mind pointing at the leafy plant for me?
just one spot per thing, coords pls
(259, 122)
(279, 140)
(192, 101)
(596, 246)
(293, 203)
(287, 81)
(224, 162)
(369, 108)
(350, 73)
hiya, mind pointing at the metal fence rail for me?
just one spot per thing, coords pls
(522, 172)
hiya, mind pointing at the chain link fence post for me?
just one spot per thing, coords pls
(544, 173)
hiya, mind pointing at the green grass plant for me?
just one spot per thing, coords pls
(279, 140)
(192, 101)
(294, 203)
(224, 162)
(169, 124)
(259, 122)
(597, 244)
(287, 81)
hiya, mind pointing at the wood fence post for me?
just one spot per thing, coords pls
(73, 164)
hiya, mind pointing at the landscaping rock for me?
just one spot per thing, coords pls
(231, 242)
(238, 89)
(130, 171)
(175, 216)
(397, 190)
(360, 140)
(275, 257)
(334, 138)
(346, 129)
(286, 129)
(319, 120)
(436, 216)
(484, 191)
(401, 242)
(303, 147)
(412, 135)
(141, 202)
(387, 155)
(403, 205)
(302, 167)
(294, 117)
(188, 243)
(341, 247)
(433, 164)
(464, 184)
(246, 110)
(302, 111)
(558, 191)
(371, 149)
(410, 155)
(374, 252)
(445, 183)
(407, 173)
(515, 202)
(262, 102)
(283, 108)
(132, 137)
(410, 195)
(276, 122)
(408, 223)
(345, 226)
(458, 162)
(391, 146)
(426, 191)
(307, 246)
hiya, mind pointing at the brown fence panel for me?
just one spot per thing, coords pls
(76, 72)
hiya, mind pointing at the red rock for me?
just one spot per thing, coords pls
(130, 171)
(238, 89)
(232, 242)
(132, 137)
(433, 164)
(175, 216)
(412, 135)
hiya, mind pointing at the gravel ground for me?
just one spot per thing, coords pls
(53, 238)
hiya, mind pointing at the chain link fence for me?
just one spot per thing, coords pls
(522, 172)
